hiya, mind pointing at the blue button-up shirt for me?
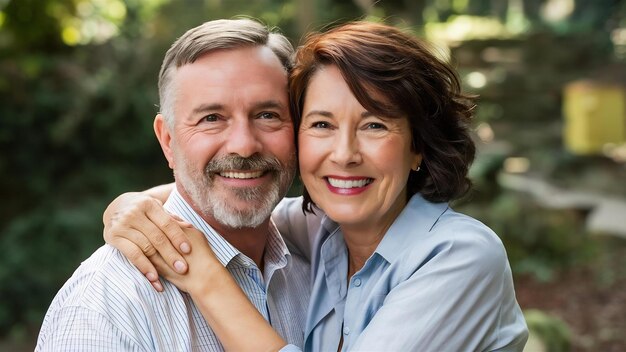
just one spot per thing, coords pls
(107, 305)
(438, 281)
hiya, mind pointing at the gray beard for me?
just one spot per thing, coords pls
(252, 216)
(200, 188)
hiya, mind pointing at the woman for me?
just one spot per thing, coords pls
(383, 145)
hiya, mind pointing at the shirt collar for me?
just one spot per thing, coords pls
(276, 252)
(417, 218)
(224, 251)
(334, 255)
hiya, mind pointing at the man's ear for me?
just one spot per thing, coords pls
(164, 136)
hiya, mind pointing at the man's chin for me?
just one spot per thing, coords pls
(237, 209)
(244, 204)
(241, 217)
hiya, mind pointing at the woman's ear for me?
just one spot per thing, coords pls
(417, 161)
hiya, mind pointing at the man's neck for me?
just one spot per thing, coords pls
(249, 241)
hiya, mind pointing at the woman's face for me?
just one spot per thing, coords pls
(354, 164)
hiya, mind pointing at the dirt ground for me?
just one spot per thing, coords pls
(591, 299)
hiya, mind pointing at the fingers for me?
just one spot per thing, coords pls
(181, 221)
(193, 235)
(138, 258)
(179, 280)
(202, 256)
(156, 241)
(139, 237)
(143, 220)
(157, 285)
(171, 226)
(198, 241)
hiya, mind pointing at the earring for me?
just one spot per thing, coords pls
(418, 169)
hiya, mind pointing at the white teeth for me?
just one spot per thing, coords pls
(241, 175)
(349, 183)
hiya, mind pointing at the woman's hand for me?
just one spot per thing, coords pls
(137, 225)
(226, 308)
(205, 271)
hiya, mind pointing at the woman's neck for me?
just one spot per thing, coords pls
(362, 239)
(361, 243)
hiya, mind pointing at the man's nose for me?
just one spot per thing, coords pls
(243, 139)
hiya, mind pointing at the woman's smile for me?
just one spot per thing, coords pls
(349, 185)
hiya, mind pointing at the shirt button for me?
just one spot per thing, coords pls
(357, 282)
(346, 330)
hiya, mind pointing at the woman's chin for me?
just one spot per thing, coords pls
(346, 216)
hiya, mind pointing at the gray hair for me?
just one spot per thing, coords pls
(216, 35)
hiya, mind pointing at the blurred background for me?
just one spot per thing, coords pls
(78, 95)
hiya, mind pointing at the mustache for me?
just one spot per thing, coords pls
(236, 162)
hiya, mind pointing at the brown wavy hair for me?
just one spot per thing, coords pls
(378, 60)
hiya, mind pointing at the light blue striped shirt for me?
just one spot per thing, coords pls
(107, 305)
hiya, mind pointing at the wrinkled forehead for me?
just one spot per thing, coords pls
(240, 67)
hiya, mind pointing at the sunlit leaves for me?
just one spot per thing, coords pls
(90, 21)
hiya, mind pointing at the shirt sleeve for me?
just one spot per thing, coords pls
(80, 329)
(296, 227)
(460, 298)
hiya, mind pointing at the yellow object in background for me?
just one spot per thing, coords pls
(595, 115)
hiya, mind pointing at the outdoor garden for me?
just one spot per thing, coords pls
(78, 94)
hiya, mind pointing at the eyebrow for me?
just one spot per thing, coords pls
(269, 104)
(328, 114)
(205, 108)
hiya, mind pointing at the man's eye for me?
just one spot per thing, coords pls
(268, 115)
(210, 118)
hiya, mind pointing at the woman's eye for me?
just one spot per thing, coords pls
(375, 126)
(320, 124)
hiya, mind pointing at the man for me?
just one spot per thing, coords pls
(226, 131)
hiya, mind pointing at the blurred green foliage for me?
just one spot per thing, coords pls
(553, 334)
(78, 96)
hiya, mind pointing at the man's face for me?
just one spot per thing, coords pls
(231, 145)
